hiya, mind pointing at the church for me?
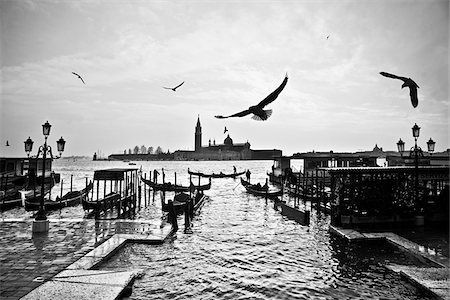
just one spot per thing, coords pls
(226, 151)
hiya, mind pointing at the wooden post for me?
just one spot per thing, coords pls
(172, 216)
(98, 188)
(190, 187)
(267, 191)
(175, 178)
(62, 182)
(145, 190)
(187, 218)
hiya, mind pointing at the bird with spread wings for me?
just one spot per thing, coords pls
(174, 88)
(407, 82)
(258, 112)
(78, 77)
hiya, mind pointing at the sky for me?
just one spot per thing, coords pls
(230, 55)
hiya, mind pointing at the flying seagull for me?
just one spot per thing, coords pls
(174, 88)
(407, 82)
(258, 112)
(328, 37)
(225, 130)
(7, 144)
(78, 77)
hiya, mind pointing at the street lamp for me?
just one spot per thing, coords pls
(415, 152)
(44, 150)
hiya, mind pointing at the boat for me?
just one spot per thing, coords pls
(109, 201)
(260, 187)
(72, 198)
(216, 175)
(19, 179)
(200, 187)
(179, 202)
(260, 190)
(122, 184)
(165, 187)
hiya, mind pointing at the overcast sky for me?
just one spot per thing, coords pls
(230, 56)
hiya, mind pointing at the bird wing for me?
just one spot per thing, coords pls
(79, 77)
(239, 114)
(274, 94)
(167, 88)
(393, 76)
(179, 85)
(413, 95)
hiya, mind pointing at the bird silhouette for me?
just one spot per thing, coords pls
(407, 82)
(7, 144)
(258, 112)
(328, 37)
(225, 130)
(78, 77)
(174, 88)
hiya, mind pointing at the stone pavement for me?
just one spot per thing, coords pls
(433, 279)
(27, 260)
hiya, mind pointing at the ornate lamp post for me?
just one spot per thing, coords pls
(44, 150)
(415, 152)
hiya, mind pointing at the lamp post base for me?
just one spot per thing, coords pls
(40, 226)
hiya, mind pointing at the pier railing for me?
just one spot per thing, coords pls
(388, 194)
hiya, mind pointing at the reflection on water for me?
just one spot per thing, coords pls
(242, 248)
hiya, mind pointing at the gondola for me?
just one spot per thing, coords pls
(216, 175)
(109, 201)
(165, 187)
(259, 187)
(202, 187)
(179, 202)
(264, 193)
(260, 190)
(69, 199)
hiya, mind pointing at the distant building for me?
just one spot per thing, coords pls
(226, 151)
(374, 158)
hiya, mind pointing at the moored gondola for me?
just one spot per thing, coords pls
(217, 175)
(69, 199)
(165, 187)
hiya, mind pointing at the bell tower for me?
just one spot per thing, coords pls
(198, 136)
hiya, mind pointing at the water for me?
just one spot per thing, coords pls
(242, 248)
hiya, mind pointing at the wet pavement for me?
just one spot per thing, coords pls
(27, 260)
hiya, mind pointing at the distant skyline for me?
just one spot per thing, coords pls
(230, 55)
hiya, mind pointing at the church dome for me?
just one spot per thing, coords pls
(228, 140)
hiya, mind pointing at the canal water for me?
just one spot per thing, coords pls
(242, 247)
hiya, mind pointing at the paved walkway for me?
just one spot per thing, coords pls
(27, 260)
(433, 279)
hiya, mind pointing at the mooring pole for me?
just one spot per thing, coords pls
(187, 218)
(172, 216)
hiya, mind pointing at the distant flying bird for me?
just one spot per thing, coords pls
(78, 77)
(7, 144)
(407, 82)
(174, 88)
(258, 112)
(328, 37)
(225, 130)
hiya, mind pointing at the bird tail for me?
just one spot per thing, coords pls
(267, 112)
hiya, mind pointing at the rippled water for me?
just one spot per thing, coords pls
(243, 248)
